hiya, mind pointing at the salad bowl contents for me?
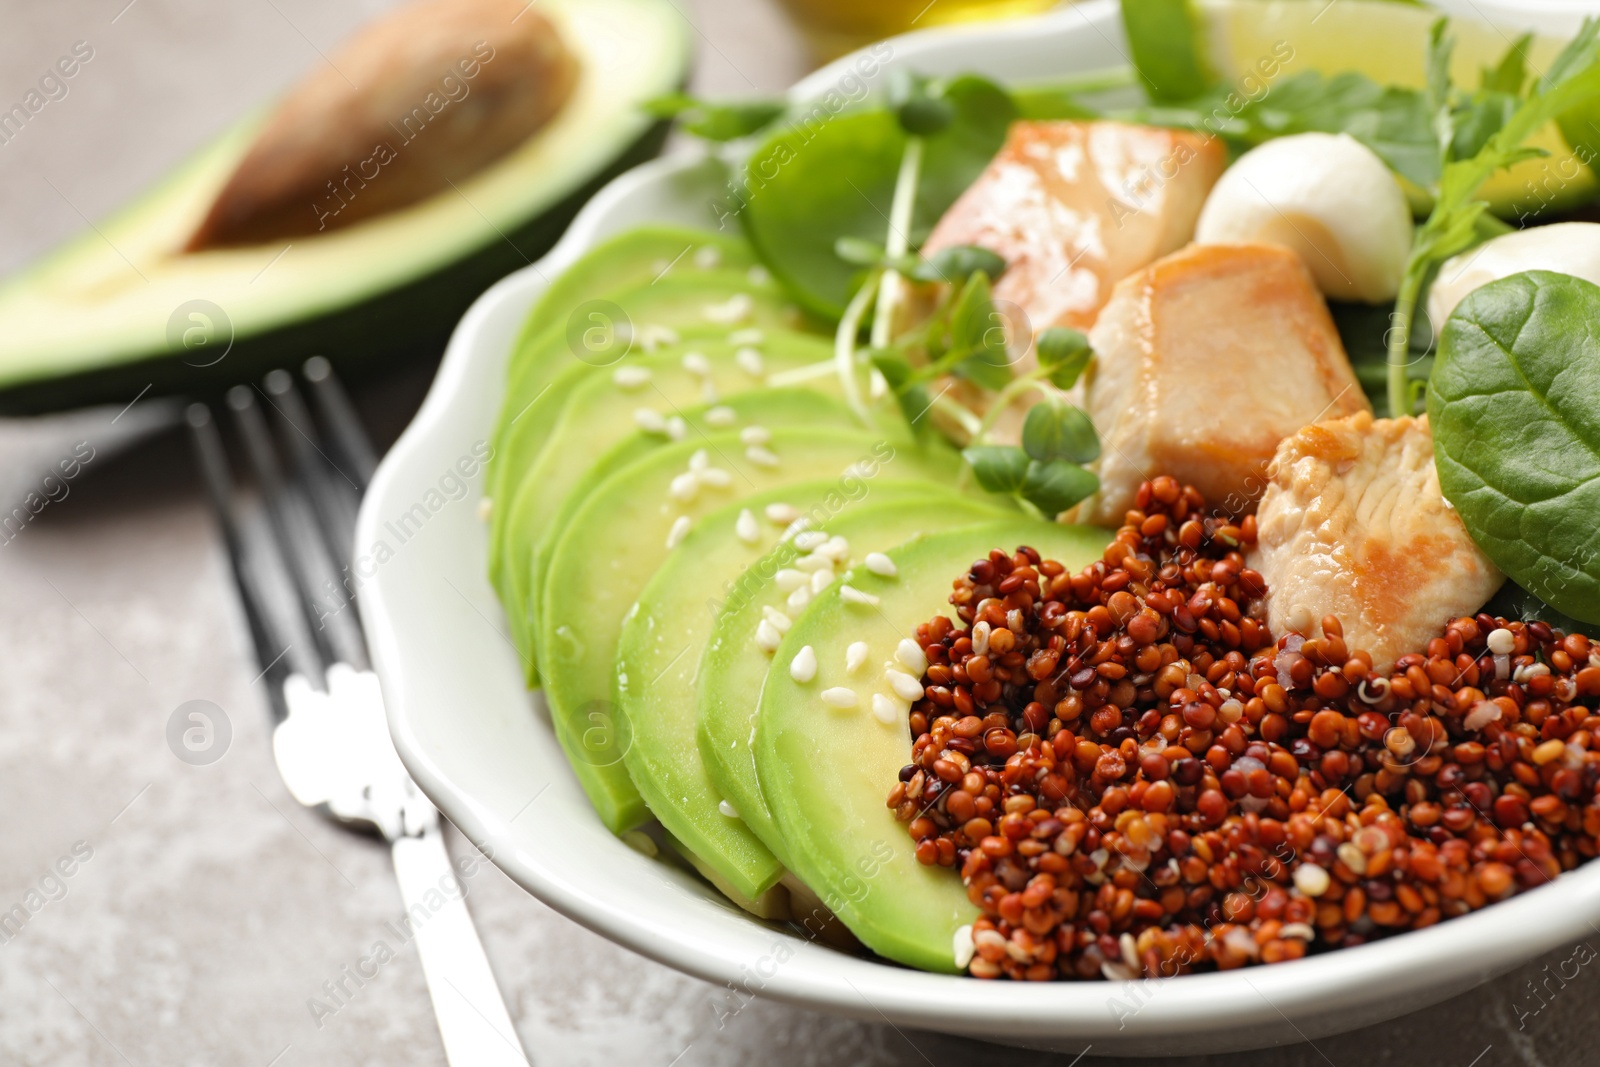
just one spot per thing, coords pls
(1083, 563)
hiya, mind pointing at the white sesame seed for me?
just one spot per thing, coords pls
(653, 337)
(789, 579)
(803, 667)
(767, 637)
(699, 460)
(749, 360)
(715, 477)
(961, 945)
(649, 420)
(630, 377)
(799, 525)
(782, 514)
(761, 457)
(809, 540)
(911, 656)
(755, 435)
(728, 810)
(746, 527)
(905, 687)
(980, 639)
(840, 697)
(708, 257)
(799, 598)
(851, 595)
(855, 656)
(736, 309)
(747, 336)
(1502, 642)
(708, 392)
(721, 417)
(680, 530)
(776, 618)
(677, 429)
(758, 274)
(696, 364)
(813, 563)
(835, 548)
(820, 580)
(881, 565)
(685, 487)
(1311, 879)
(886, 708)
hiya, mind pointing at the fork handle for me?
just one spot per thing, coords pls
(473, 1020)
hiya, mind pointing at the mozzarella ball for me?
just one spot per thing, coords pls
(1565, 248)
(1325, 195)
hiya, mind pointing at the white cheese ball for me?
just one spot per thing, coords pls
(1325, 195)
(1565, 248)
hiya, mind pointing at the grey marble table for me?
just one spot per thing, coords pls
(191, 915)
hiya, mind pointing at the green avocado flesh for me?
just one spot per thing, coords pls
(734, 667)
(534, 536)
(121, 308)
(660, 671)
(619, 538)
(825, 772)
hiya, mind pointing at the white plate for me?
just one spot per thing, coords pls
(482, 748)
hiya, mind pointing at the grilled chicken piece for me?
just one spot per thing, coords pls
(1204, 361)
(1353, 524)
(1074, 207)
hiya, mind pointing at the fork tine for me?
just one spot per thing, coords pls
(327, 488)
(339, 416)
(271, 647)
(282, 520)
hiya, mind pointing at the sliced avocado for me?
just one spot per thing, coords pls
(592, 412)
(121, 307)
(825, 772)
(734, 666)
(659, 665)
(618, 539)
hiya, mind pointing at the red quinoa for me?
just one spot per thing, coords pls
(1134, 778)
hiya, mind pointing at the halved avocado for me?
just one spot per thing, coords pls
(617, 540)
(123, 307)
(734, 668)
(592, 412)
(825, 772)
(660, 674)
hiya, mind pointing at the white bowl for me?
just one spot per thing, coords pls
(481, 747)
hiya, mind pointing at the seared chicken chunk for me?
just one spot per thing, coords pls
(1204, 361)
(1353, 524)
(1074, 207)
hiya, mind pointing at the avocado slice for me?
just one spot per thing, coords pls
(659, 670)
(617, 540)
(734, 667)
(825, 772)
(592, 412)
(121, 308)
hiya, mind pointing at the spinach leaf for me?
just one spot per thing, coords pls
(1167, 44)
(821, 177)
(1516, 432)
(716, 121)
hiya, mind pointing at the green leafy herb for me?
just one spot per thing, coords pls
(999, 468)
(1063, 354)
(919, 104)
(716, 121)
(957, 263)
(1517, 433)
(910, 395)
(1055, 429)
(1055, 486)
(978, 336)
(1168, 47)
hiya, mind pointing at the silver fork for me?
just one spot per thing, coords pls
(330, 736)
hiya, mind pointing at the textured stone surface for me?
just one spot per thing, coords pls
(212, 907)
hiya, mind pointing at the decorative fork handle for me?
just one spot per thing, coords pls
(473, 1020)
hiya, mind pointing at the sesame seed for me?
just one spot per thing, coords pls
(696, 364)
(803, 667)
(840, 697)
(881, 565)
(715, 477)
(885, 708)
(856, 656)
(905, 687)
(799, 525)
(708, 392)
(727, 809)
(1502, 642)
(721, 417)
(680, 530)
(677, 429)
(799, 598)
(911, 656)
(962, 946)
(746, 527)
(685, 487)
(810, 539)
(748, 336)
(649, 420)
(758, 275)
(700, 460)
(760, 456)
(767, 637)
(755, 435)
(789, 579)
(749, 360)
(851, 595)
(653, 337)
(813, 562)
(782, 514)
(736, 309)
(776, 618)
(820, 580)
(708, 257)
(630, 377)
(835, 548)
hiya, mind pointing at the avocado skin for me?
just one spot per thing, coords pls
(410, 324)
